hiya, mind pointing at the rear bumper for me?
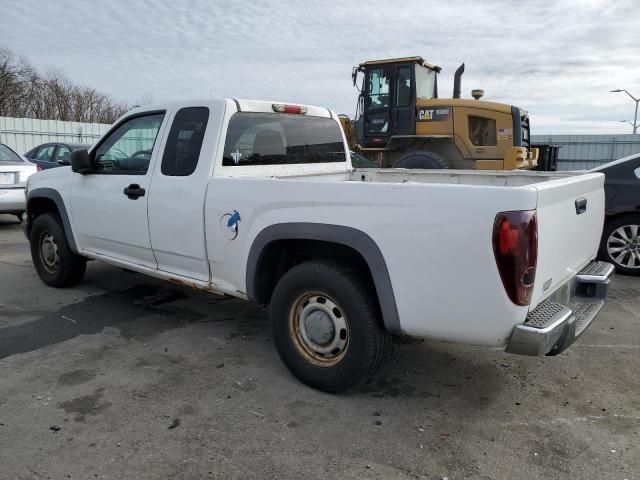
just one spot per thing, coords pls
(12, 200)
(553, 325)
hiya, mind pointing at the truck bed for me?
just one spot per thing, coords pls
(434, 229)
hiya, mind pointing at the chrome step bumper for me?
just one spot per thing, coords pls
(557, 322)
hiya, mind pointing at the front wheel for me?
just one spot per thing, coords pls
(620, 244)
(326, 326)
(54, 261)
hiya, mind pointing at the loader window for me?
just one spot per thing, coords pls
(280, 138)
(425, 82)
(378, 89)
(482, 131)
(403, 87)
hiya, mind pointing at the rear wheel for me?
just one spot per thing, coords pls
(326, 326)
(426, 160)
(620, 244)
(52, 258)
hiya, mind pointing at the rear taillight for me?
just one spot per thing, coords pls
(38, 168)
(515, 246)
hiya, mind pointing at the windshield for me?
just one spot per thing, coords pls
(425, 82)
(8, 155)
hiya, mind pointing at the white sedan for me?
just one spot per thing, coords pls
(14, 171)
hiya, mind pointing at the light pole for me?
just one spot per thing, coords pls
(627, 121)
(635, 117)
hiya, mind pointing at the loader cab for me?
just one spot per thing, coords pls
(387, 102)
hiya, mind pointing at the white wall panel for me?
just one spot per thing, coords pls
(22, 134)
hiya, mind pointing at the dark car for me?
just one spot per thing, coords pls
(620, 242)
(50, 155)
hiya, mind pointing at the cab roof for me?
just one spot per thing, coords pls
(240, 105)
(418, 60)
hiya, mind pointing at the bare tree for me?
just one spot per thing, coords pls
(24, 92)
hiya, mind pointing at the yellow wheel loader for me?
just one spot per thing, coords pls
(400, 122)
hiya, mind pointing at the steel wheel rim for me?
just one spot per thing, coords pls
(310, 315)
(49, 252)
(623, 246)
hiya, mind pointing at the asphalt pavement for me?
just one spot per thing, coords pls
(128, 377)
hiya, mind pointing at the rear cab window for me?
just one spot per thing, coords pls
(282, 139)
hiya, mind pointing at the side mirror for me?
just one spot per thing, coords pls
(80, 161)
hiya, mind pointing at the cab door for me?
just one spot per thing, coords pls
(176, 201)
(109, 204)
(403, 110)
(389, 103)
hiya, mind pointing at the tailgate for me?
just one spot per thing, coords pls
(567, 239)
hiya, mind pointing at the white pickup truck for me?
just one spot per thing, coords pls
(259, 200)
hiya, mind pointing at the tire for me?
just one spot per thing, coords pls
(331, 297)
(620, 244)
(426, 160)
(52, 258)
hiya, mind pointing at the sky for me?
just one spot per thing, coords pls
(557, 59)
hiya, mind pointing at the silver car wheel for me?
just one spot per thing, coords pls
(623, 246)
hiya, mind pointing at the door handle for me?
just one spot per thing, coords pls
(134, 191)
(581, 205)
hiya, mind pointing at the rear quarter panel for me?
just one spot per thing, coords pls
(436, 241)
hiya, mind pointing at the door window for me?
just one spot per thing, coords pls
(63, 154)
(379, 81)
(482, 131)
(185, 142)
(45, 153)
(403, 87)
(127, 150)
